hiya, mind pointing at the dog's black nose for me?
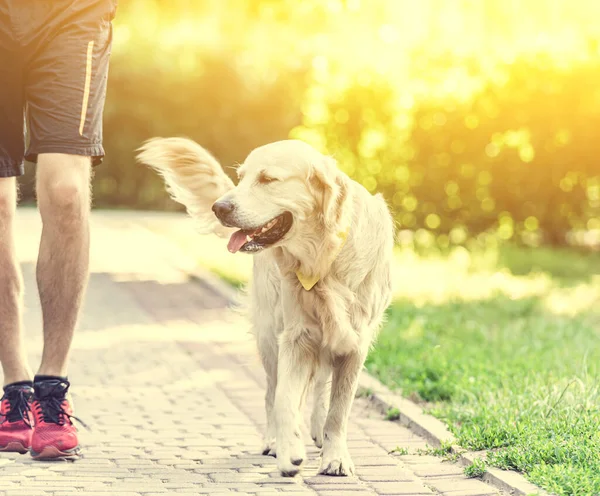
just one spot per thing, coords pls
(223, 208)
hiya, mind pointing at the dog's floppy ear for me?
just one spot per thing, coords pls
(330, 188)
(193, 177)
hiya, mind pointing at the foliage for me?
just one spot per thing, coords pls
(392, 414)
(465, 131)
(444, 450)
(505, 161)
(476, 469)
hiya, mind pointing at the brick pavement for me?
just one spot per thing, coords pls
(169, 382)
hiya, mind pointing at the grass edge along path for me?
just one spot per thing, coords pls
(509, 363)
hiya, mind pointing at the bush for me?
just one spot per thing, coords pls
(519, 158)
(460, 140)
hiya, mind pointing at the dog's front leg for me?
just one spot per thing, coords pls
(295, 367)
(322, 394)
(267, 347)
(336, 458)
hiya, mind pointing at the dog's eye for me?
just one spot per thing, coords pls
(264, 179)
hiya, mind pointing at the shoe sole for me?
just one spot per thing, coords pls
(14, 447)
(53, 453)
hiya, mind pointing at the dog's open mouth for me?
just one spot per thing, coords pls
(252, 240)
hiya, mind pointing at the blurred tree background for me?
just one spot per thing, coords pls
(479, 120)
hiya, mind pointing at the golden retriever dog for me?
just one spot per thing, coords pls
(322, 247)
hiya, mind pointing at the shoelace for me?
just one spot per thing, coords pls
(51, 406)
(19, 406)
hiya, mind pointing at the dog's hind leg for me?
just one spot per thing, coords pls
(336, 458)
(321, 395)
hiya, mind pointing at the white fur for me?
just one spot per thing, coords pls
(321, 335)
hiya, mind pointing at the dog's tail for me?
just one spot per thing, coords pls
(193, 177)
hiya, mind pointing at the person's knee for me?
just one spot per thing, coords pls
(64, 194)
(63, 186)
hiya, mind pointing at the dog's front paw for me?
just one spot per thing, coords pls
(290, 458)
(336, 461)
(268, 447)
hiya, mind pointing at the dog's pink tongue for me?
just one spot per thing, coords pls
(237, 240)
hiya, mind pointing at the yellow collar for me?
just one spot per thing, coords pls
(309, 282)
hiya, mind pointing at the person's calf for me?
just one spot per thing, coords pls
(62, 269)
(12, 353)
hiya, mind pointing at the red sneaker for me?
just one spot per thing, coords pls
(16, 421)
(54, 435)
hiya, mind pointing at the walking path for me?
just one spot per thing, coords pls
(169, 382)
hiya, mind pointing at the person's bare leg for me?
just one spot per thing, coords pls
(12, 349)
(63, 192)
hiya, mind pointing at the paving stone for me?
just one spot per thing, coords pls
(400, 476)
(437, 470)
(394, 488)
(487, 491)
(452, 485)
(347, 489)
(234, 477)
(288, 492)
(374, 461)
(173, 391)
(327, 479)
(342, 492)
(26, 492)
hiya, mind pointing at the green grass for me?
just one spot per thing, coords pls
(400, 450)
(509, 361)
(392, 414)
(443, 451)
(476, 469)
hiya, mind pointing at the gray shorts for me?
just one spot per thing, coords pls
(53, 70)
